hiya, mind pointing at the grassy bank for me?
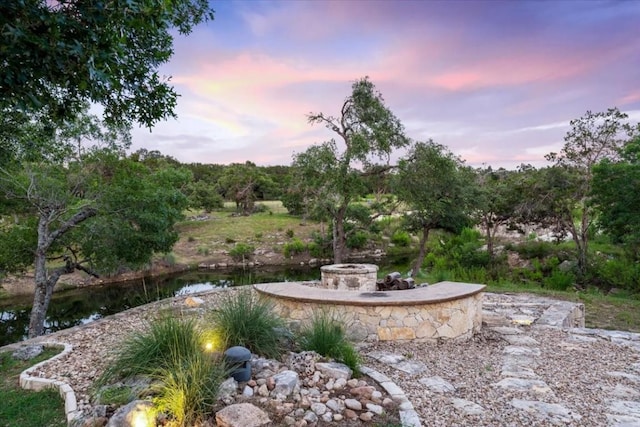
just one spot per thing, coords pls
(26, 408)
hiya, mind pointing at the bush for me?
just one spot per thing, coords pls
(401, 238)
(559, 280)
(296, 246)
(290, 233)
(186, 389)
(357, 240)
(326, 335)
(154, 348)
(242, 251)
(249, 321)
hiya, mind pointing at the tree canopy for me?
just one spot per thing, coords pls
(331, 176)
(56, 56)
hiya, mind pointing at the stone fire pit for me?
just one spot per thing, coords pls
(349, 277)
(446, 310)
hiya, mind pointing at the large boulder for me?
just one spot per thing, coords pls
(242, 415)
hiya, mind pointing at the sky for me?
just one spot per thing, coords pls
(497, 82)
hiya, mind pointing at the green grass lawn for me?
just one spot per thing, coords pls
(26, 408)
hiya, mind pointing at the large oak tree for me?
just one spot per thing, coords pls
(334, 174)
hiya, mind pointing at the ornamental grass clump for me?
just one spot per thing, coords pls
(185, 377)
(186, 389)
(156, 347)
(244, 319)
(326, 335)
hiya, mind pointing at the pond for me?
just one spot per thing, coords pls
(80, 306)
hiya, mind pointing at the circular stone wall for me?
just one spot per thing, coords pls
(349, 277)
(446, 310)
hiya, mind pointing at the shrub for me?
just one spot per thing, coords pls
(326, 335)
(296, 246)
(401, 238)
(357, 240)
(169, 259)
(153, 348)
(244, 319)
(534, 249)
(203, 250)
(242, 251)
(171, 353)
(290, 233)
(559, 280)
(186, 389)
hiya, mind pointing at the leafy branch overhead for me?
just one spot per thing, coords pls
(58, 55)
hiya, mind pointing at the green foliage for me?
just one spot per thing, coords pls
(559, 280)
(532, 249)
(156, 347)
(242, 251)
(608, 273)
(203, 250)
(116, 395)
(244, 319)
(329, 179)
(617, 200)
(27, 408)
(204, 196)
(296, 246)
(325, 334)
(357, 240)
(437, 189)
(57, 57)
(187, 388)
(401, 238)
(290, 233)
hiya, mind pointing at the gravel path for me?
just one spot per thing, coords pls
(510, 375)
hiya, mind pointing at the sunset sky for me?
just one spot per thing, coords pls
(495, 81)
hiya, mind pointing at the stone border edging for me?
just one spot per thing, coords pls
(408, 415)
(29, 382)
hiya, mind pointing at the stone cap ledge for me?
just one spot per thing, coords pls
(432, 294)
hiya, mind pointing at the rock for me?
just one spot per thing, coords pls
(134, 413)
(366, 416)
(310, 417)
(334, 405)
(318, 408)
(263, 390)
(285, 382)
(338, 417)
(242, 415)
(339, 384)
(467, 407)
(327, 417)
(193, 302)
(364, 392)
(520, 384)
(552, 412)
(376, 409)
(28, 352)
(350, 414)
(228, 388)
(334, 370)
(353, 404)
(437, 384)
(247, 391)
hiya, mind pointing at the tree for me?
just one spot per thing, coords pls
(244, 184)
(89, 210)
(438, 191)
(332, 177)
(57, 55)
(497, 202)
(592, 138)
(616, 197)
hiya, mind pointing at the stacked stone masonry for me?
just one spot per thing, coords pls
(445, 310)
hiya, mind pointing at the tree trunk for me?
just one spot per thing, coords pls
(339, 238)
(42, 294)
(422, 252)
(490, 237)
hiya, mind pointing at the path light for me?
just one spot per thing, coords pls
(237, 358)
(143, 415)
(212, 341)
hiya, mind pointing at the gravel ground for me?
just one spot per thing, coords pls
(583, 375)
